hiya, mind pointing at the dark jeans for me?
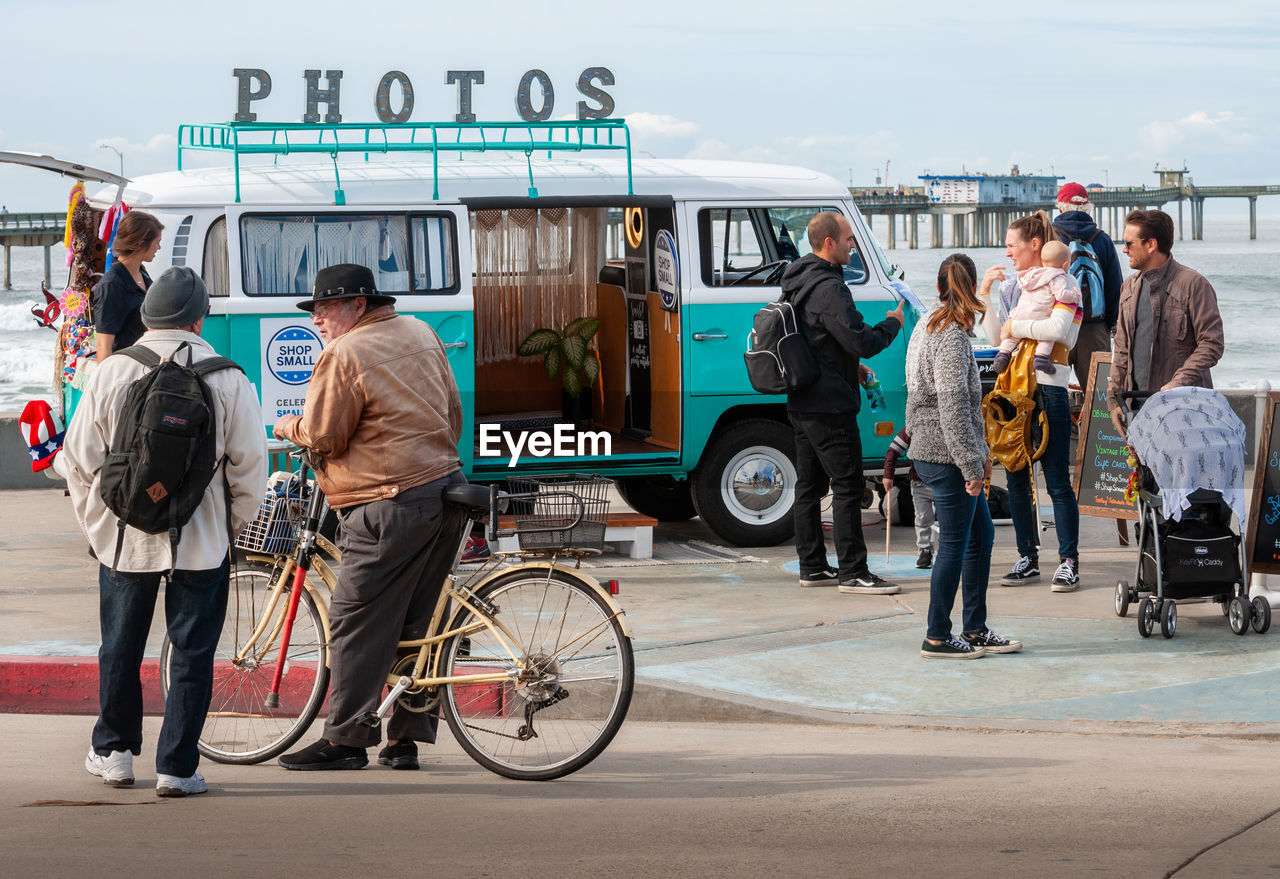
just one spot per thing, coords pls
(395, 555)
(829, 455)
(1056, 465)
(195, 603)
(965, 536)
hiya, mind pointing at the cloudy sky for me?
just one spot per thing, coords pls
(1093, 91)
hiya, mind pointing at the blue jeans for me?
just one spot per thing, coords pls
(1056, 465)
(195, 603)
(965, 536)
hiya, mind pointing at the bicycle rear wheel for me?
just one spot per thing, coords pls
(569, 687)
(240, 728)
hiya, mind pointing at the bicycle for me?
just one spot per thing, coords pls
(531, 664)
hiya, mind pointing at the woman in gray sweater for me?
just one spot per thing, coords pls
(949, 448)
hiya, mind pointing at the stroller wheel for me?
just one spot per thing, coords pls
(1239, 613)
(1146, 617)
(1261, 620)
(1169, 618)
(1122, 597)
(1226, 606)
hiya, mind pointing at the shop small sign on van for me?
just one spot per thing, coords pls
(254, 84)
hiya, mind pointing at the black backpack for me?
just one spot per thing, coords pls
(779, 359)
(162, 456)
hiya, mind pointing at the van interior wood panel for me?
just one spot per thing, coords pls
(610, 395)
(664, 352)
(515, 385)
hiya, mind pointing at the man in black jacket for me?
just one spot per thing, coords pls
(824, 414)
(1075, 223)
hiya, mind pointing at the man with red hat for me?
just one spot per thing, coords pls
(1075, 223)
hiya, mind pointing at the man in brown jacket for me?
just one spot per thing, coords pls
(1169, 331)
(384, 415)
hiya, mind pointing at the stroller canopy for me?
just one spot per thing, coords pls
(1189, 438)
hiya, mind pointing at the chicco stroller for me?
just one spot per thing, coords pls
(1189, 447)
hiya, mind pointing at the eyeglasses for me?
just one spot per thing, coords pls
(1128, 244)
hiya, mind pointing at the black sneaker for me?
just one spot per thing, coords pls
(323, 755)
(1066, 578)
(868, 583)
(1025, 570)
(926, 559)
(829, 577)
(952, 648)
(401, 755)
(993, 643)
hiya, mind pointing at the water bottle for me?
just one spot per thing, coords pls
(875, 395)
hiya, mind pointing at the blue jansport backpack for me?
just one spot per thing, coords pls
(1083, 265)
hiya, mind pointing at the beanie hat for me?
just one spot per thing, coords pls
(1073, 197)
(43, 432)
(178, 298)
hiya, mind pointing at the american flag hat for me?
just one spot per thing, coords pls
(43, 431)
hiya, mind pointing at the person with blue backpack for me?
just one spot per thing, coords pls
(1095, 265)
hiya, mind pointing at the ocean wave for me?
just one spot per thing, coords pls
(27, 361)
(17, 318)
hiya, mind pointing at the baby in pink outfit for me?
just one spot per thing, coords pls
(1042, 289)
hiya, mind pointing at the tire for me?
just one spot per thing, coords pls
(1146, 617)
(566, 627)
(1122, 598)
(663, 497)
(744, 488)
(239, 727)
(1261, 617)
(1169, 618)
(1239, 613)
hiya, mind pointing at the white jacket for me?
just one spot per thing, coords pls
(241, 437)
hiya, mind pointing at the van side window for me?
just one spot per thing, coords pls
(215, 267)
(752, 246)
(281, 253)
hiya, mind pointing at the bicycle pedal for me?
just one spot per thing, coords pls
(369, 719)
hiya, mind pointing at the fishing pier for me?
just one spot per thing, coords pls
(31, 230)
(981, 206)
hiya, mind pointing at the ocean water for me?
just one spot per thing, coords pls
(1245, 274)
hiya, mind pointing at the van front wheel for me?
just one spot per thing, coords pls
(744, 489)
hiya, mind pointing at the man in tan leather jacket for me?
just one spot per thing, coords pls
(384, 415)
(1169, 331)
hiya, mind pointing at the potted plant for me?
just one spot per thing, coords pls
(565, 354)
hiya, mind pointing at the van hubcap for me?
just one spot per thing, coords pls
(758, 485)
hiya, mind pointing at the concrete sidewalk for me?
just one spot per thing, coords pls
(744, 641)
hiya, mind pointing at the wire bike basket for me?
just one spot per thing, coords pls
(275, 529)
(566, 511)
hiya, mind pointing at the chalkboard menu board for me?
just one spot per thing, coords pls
(1263, 532)
(1102, 466)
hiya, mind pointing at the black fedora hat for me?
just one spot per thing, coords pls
(345, 281)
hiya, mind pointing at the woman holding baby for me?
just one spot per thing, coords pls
(1054, 328)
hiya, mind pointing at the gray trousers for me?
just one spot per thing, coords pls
(395, 555)
(926, 517)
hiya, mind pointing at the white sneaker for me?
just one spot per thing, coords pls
(116, 769)
(173, 786)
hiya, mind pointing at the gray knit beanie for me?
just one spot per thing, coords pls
(178, 298)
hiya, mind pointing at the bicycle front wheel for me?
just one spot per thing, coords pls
(240, 728)
(569, 683)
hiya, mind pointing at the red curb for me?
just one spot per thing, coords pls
(65, 685)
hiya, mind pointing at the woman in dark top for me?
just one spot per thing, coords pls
(117, 299)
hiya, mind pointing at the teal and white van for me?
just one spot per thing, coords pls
(525, 227)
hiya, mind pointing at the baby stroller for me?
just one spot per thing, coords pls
(1190, 476)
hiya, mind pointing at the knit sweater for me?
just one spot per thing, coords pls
(944, 400)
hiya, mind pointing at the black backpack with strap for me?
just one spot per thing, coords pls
(778, 357)
(163, 453)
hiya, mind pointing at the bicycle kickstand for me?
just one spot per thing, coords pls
(373, 718)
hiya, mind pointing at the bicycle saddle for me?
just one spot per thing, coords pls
(474, 498)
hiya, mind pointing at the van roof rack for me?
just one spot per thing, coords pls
(331, 138)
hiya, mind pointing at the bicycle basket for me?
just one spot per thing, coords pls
(275, 528)
(550, 503)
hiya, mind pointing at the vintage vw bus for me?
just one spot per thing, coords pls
(533, 226)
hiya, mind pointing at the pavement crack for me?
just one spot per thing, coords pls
(1211, 846)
